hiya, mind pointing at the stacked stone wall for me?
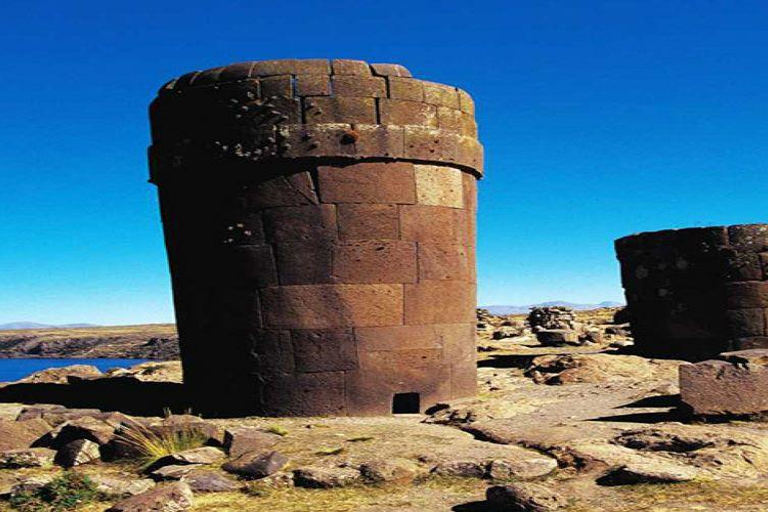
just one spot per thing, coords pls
(321, 245)
(694, 293)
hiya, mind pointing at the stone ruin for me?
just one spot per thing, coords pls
(319, 219)
(553, 317)
(695, 293)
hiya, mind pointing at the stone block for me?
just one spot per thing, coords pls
(313, 85)
(382, 374)
(291, 67)
(305, 262)
(375, 261)
(451, 120)
(398, 337)
(438, 185)
(742, 323)
(276, 86)
(464, 377)
(330, 306)
(469, 189)
(248, 265)
(390, 70)
(741, 266)
(466, 103)
(750, 342)
(433, 224)
(342, 109)
(378, 141)
(737, 386)
(746, 294)
(423, 143)
(271, 352)
(748, 237)
(318, 140)
(557, 337)
(301, 223)
(439, 302)
(442, 95)
(458, 341)
(293, 189)
(324, 350)
(236, 72)
(369, 182)
(359, 86)
(444, 262)
(368, 221)
(406, 89)
(350, 67)
(306, 394)
(402, 112)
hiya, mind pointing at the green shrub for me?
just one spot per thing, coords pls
(69, 491)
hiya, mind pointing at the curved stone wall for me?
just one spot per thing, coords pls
(320, 224)
(694, 293)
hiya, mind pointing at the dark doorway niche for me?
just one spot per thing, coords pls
(405, 403)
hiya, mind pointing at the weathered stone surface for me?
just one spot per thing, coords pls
(324, 350)
(325, 478)
(21, 434)
(523, 468)
(369, 183)
(369, 261)
(172, 497)
(467, 469)
(439, 302)
(172, 472)
(256, 464)
(439, 186)
(399, 471)
(567, 369)
(735, 386)
(524, 497)
(368, 222)
(239, 440)
(93, 429)
(557, 337)
(117, 486)
(202, 455)
(75, 453)
(202, 480)
(26, 458)
(648, 473)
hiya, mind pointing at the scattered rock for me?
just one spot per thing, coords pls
(201, 480)
(598, 368)
(171, 497)
(172, 472)
(399, 471)
(87, 427)
(31, 484)
(202, 455)
(240, 440)
(81, 451)
(523, 468)
(557, 337)
(524, 497)
(59, 375)
(737, 385)
(256, 464)
(647, 473)
(506, 332)
(325, 478)
(15, 435)
(7, 482)
(468, 469)
(120, 487)
(27, 458)
(187, 424)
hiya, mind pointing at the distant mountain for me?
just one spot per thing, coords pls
(517, 310)
(34, 325)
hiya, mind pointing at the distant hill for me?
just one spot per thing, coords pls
(517, 310)
(34, 325)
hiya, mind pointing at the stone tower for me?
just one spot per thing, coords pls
(694, 293)
(319, 218)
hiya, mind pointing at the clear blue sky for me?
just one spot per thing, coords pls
(599, 119)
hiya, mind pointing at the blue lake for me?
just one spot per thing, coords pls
(15, 369)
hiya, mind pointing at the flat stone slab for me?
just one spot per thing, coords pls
(736, 385)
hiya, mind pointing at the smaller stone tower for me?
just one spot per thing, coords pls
(694, 293)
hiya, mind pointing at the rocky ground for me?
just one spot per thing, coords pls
(577, 427)
(156, 341)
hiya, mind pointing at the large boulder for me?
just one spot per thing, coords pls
(651, 472)
(26, 458)
(325, 478)
(173, 497)
(239, 440)
(256, 465)
(75, 453)
(60, 375)
(735, 385)
(526, 497)
(121, 486)
(597, 368)
(15, 435)
(557, 337)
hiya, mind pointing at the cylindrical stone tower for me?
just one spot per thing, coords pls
(694, 293)
(319, 218)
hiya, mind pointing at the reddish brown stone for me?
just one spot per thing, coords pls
(398, 337)
(307, 394)
(368, 221)
(466, 104)
(401, 112)
(289, 190)
(324, 350)
(390, 70)
(329, 306)
(343, 109)
(458, 341)
(444, 261)
(276, 86)
(291, 67)
(469, 187)
(748, 294)
(745, 322)
(305, 262)
(439, 302)
(313, 85)
(406, 89)
(297, 223)
(375, 261)
(351, 67)
(433, 224)
(370, 182)
(748, 343)
(443, 95)
(377, 140)
(365, 87)
(272, 352)
(248, 263)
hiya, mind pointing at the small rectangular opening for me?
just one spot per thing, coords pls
(405, 403)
